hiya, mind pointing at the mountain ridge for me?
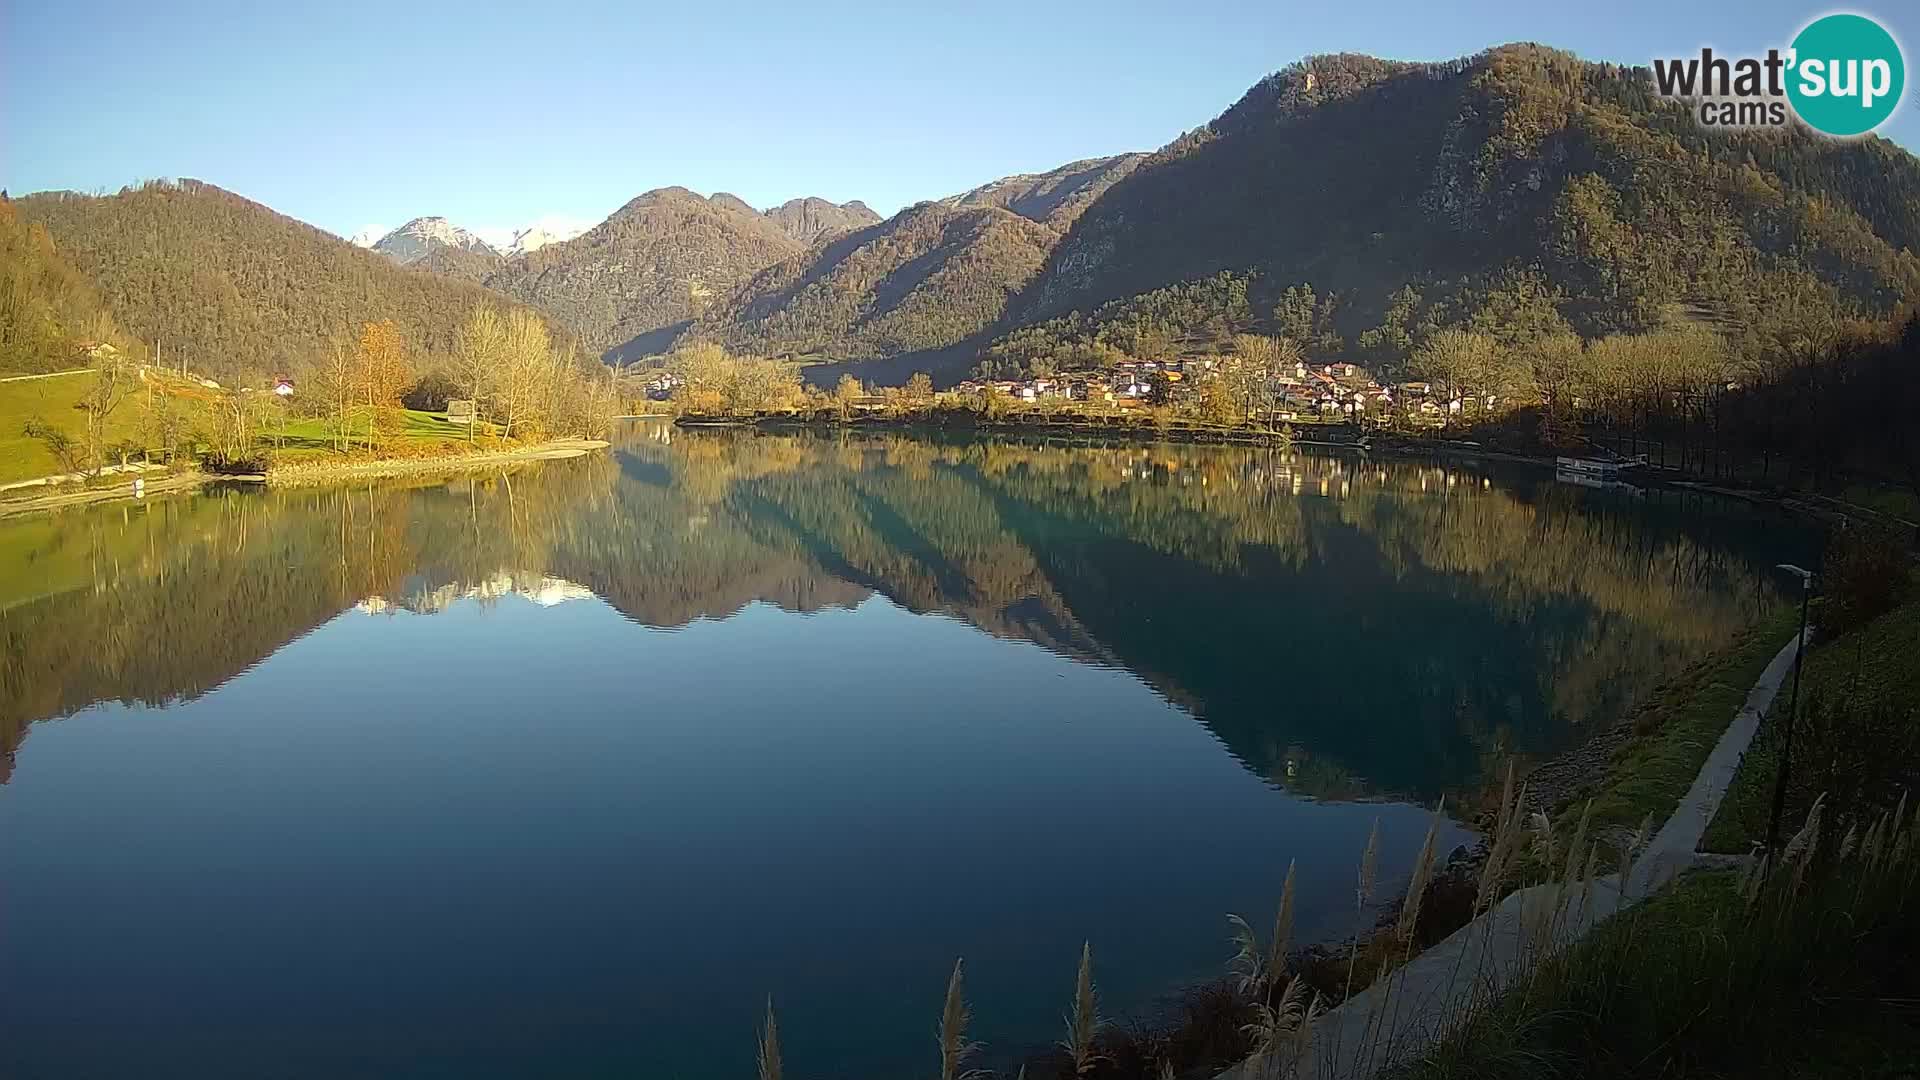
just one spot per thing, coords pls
(236, 286)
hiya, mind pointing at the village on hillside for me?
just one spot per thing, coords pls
(1303, 392)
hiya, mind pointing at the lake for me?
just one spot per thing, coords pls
(566, 770)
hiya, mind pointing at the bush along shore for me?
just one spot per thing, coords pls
(1795, 960)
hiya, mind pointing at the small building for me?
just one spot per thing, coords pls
(283, 387)
(459, 410)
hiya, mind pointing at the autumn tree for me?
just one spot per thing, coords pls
(920, 388)
(846, 393)
(479, 358)
(384, 373)
(1557, 363)
(527, 359)
(336, 384)
(714, 382)
(1257, 364)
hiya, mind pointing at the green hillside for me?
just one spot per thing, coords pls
(1517, 180)
(233, 287)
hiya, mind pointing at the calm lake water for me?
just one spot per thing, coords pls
(564, 771)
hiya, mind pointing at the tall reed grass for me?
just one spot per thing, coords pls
(1646, 991)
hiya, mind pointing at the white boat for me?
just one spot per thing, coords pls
(1597, 467)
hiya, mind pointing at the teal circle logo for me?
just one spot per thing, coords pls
(1847, 75)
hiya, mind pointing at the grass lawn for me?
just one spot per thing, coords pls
(1685, 987)
(1812, 979)
(313, 437)
(51, 400)
(1897, 502)
(1878, 662)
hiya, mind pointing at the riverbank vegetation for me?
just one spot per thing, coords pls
(1825, 407)
(1793, 966)
(1797, 965)
(507, 384)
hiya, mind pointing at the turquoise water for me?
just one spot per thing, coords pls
(564, 771)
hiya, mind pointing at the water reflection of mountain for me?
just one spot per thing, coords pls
(1342, 627)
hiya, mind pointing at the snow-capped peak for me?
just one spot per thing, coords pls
(550, 229)
(423, 234)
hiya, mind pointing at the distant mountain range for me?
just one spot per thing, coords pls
(425, 235)
(1517, 184)
(644, 272)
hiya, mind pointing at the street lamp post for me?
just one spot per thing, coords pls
(1793, 711)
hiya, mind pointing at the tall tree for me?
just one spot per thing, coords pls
(479, 358)
(384, 371)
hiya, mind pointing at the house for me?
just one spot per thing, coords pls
(459, 410)
(661, 385)
(283, 387)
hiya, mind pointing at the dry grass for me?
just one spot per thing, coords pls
(1763, 973)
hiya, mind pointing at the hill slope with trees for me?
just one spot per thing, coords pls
(48, 308)
(810, 219)
(656, 263)
(1520, 186)
(927, 278)
(233, 287)
(1055, 197)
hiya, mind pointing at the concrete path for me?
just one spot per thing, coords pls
(46, 375)
(1395, 1021)
(67, 478)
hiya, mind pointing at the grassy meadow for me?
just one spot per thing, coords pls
(292, 438)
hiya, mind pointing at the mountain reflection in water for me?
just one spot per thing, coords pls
(562, 770)
(1344, 626)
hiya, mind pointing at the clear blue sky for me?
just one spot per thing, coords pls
(344, 114)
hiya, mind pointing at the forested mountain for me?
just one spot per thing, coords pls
(656, 262)
(234, 287)
(460, 263)
(1512, 187)
(927, 278)
(1518, 191)
(47, 307)
(809, 219)
(1055, 197)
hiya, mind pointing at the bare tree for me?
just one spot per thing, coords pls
(113, 379)
(337, 381)
(480, 359)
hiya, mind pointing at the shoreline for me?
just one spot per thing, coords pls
(171, 483)
(1339, 437)
(305, 474)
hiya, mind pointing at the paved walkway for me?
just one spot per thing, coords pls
(65, 478)
(46, 374)
(1380, 1027)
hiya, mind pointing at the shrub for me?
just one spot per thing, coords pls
(246, 464)
(1866, 573)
